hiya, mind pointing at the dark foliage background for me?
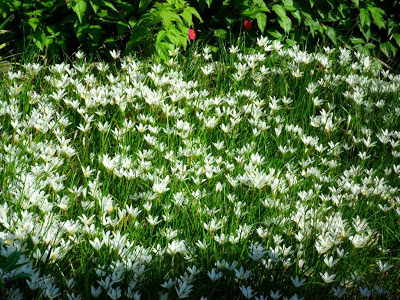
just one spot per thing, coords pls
(58, 27)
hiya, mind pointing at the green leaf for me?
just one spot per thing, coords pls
(160, 36)
(286, 24)
(290, 42)
(364, 17)
(369, 46)
(81, 30)
(287, 3)
(187, 16)
(194, 13)
(11, 261)
(297, 15)
(161, 46)
(388, 49)
(275, 33)
(331, 33)
(260, 4)
(95, 33)
(79, 7)
(361, 49)
(2, 25)
(377, 16)
(356, 2)
(251, 12)
(95, 5)
(331, 3)
(121, 28)
(138, 34)
(143, 4)
(280, 11)
(396, 37)
(110, 5)
(176, 36)
(220, 33)
(162, 51)
(34, 22)
(209, 3)
(261, 21)
(40, 40)
(366, 31)
(103, 14)
(168, 16)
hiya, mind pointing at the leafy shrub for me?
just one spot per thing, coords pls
(53, 25)
(367, 25)
(151, 26)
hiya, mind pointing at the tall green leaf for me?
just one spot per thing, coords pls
(79, 7)
(187, 16)
(261, 21)
(12, 261)
(95, 5)
(388, 49)
(194, 12)
(377, 16)
(279, 10)
(331, 33)
(34, 22)
(364, 17)
(143, 4)
(168, 16)
(396, 37)
(286, 24)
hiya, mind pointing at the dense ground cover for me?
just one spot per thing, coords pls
(271, 173)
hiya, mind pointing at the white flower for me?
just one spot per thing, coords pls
(275, 295)
(213, 275)
(114, 294)
(115, 54)
(176, 247)
(160, 186)
(51, 291)
(330, 262)
(327, 278)
(383, 267)
(256, 251)
(365, 292)
(339, 292)
(168, 284)
(207, 69)
(213, 225)
(202, 244)
(96, 244)
(233, 49)
(242, 274)
(297, 282)
(218, 187)
(184, 289)
(80, 54)
(153, 221)
(247, 291)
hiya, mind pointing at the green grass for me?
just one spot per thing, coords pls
(311, 185)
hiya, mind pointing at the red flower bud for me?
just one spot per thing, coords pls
(247, 24)
(192, 34)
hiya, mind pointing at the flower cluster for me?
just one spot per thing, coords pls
(276, 176)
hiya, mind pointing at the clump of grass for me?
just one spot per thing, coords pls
(269, 172)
